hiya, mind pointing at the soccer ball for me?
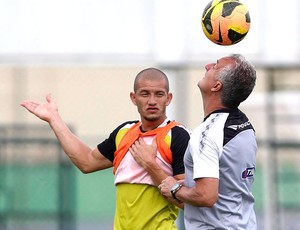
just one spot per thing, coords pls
(225, 22)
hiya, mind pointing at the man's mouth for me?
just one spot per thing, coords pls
(152, 109)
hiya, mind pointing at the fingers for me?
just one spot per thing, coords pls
(33, 104)
(49, 97)
(181, 181)
(137, 145)
(30, 105)
(166, 185)
(164, 189)
(140, 142)
(132, 151)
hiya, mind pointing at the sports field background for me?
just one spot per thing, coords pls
(35, 203)
(87, 53)
(39, 187)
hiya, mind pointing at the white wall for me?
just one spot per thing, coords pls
(135, 30)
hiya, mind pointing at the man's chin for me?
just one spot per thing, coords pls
(151, 118)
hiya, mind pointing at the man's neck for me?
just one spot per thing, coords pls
(211, 104)
(150, 125)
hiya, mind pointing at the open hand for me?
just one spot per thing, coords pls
(44, 111)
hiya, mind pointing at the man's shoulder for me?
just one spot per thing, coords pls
(123, 126)
(127, 124)
(180, 129)
(180, 134)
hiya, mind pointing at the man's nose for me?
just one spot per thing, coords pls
(208, 66)
(152, 99)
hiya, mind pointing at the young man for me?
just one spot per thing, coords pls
(221, 157)
(139, 204)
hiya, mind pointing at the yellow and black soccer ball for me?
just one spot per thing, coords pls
(225, 22)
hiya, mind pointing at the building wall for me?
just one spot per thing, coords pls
(94, 100)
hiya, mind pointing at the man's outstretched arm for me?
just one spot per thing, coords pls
(86, 159)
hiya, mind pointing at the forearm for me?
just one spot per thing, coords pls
(192, 197)
(158, 175)
(76, 150)
(203, 194)
(86, 159)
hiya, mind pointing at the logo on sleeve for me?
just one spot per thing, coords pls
(240, 126)
(248, 172)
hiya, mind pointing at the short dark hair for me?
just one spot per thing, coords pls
(238, 81)
(151, 74)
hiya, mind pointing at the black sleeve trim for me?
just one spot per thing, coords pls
(108, 147)
(180, 140)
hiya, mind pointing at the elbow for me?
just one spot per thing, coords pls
(207, 202)
(207, 192)
(85, 169)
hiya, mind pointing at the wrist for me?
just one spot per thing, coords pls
(54, 118)
(174, 189)
(57, 124)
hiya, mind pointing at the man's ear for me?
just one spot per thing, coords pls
(170, 96)
(217, 87)
(132, 97)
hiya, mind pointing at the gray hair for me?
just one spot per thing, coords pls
(238, 81)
